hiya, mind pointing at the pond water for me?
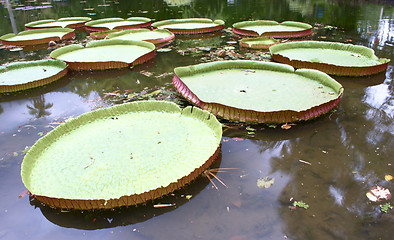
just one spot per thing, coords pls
(329, 163)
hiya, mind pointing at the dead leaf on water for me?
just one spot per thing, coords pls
(388, 177)
(146, 73)
(237, 203)
(24, 193)
(378, 193)
(265, 182)
(286, 126)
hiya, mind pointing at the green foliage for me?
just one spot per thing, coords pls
(300, 204)
(385, 207)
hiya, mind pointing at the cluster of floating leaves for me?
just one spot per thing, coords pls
(162, 93)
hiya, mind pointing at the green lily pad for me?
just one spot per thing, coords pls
(156, 36)
(105, 54)
(258, 43)
(37, 36)
(330, 57)
(265, 28)
(69, 22)
(106, 24)
(258, 92)
(190, 25)
(121, 155)
(25, 75)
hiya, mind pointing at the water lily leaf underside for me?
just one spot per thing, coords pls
(265, 28)
(25, 75)
(37, 36)
(330, 57)
(189, 26)
(258, 92)
(105, 54)
(121, 156)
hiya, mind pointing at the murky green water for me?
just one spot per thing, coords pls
(343, 154)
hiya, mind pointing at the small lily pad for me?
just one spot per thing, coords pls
(157, 36)
(106, 24)
(266, 28)
(190, 26)
(37, 36)
(105, 54)
(258, 43)
(25, 75)
(330, 57)
(69, 22)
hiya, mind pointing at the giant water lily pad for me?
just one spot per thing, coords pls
(258, 92)
(330, 57)
(105, 54)
(37, 36)
(190, 25)
(106, 24)
(25, 75)
(69, 22)
(265, 28)
(157, 36)
(121, 156)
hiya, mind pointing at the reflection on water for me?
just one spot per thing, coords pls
(123, 216)
(380, 97)
(178, 2)
(328, 163)
(39, 108)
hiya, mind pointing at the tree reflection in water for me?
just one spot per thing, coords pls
(39, 107)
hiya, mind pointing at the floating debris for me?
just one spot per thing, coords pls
(161, 205)
(388, 177)
(378, 193)
(266, 182)
(300, 204)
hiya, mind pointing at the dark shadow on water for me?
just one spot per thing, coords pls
(273, 133)
(97, 75)
(123, 216)
(360, 82)
(199, 36)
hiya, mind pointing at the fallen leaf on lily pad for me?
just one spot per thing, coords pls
(265, 182)
(378, 193)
